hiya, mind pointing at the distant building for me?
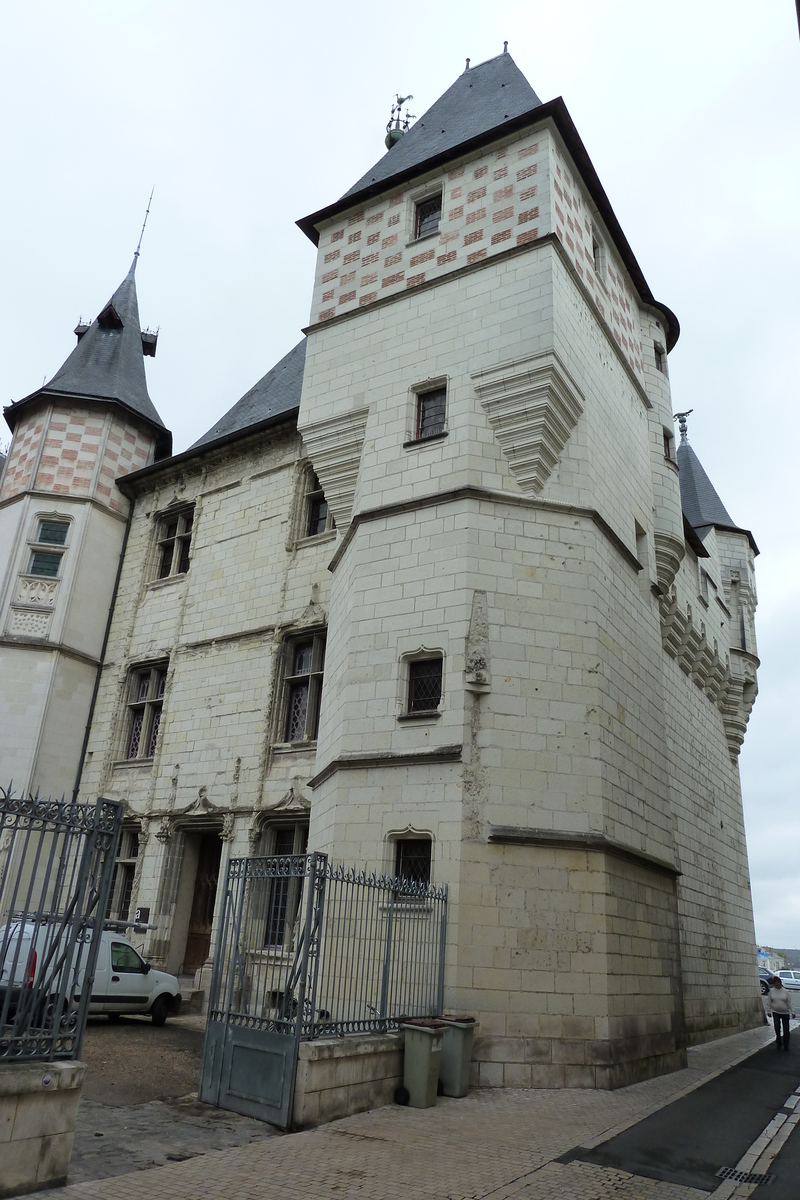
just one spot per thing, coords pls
(438, 595)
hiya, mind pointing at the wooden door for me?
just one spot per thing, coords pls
(198, 940)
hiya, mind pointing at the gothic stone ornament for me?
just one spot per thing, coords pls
(533, 405)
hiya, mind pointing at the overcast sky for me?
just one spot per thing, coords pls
(248, 115)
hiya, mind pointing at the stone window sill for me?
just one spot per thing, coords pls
(294, 747)
(316, 539)
(154, 584)
(425, 238)
(132, 764)
(415, 443)
(431, 714)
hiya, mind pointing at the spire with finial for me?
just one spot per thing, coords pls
(682, 426)
(396, 131)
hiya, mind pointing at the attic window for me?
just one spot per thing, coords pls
(427, 215)
(109, 318)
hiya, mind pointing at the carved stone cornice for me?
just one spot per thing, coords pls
(334, 447)
(670, 550)
(533, 405)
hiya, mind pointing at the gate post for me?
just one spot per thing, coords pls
(387, 958)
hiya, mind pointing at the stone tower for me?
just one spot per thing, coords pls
(62, 530)
(523, 693)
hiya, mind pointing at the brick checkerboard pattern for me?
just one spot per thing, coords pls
(498, 1143)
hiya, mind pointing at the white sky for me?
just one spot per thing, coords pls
(249, 115)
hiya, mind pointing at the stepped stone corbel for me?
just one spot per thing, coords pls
(673, 623)
(334, 447)
(715, 676)
(703, 661)
(670, 550)
(533, 405)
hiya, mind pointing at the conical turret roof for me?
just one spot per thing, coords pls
(107, 363)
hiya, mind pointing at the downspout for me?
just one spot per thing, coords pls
(106, 636)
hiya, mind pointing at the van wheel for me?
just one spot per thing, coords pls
(113, 1018)
(159, 1010)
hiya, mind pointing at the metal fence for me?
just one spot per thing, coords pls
(360, 954)
(56, 867)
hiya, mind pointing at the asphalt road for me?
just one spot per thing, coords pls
(688, 1141)
(139, 1107)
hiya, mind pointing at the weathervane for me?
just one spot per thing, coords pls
(396, 131)
(681, 419)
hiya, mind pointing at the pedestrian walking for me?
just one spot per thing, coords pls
(780, 1004)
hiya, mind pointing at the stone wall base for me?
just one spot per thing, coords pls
(340, 1076)
(38, 1108)
(561, 1063)
(700, 1029)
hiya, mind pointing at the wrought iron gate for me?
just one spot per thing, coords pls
(307, 949)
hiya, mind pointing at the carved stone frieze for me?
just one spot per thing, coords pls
(34, 592)
(334, 446)
(27, 622)
(533, 405)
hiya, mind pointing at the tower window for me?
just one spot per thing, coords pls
(424, 685)
(48, 562)
(146, 689)
(431, 408)
(413, 859)
(45, 563)
(668, 445)
(53, 532)
(174, 541)
(427, 216)
(661, 358)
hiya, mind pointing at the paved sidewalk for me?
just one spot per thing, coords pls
(498, 1144)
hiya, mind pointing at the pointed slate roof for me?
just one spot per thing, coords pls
(479, 101)
(107, 363)
(700, 502)
(277, 394)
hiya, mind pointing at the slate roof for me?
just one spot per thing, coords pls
(276, 394)
(480, 100)
(700, 502)
(107, 363)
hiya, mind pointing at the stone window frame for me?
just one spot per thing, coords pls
(178, 544)
(660, 356)
(392, 843)
(405, 675)
(417, 392)
(310, 493)
(669, 445)
(291, 680)
(37, 545)
(151, 706)
(124, 878)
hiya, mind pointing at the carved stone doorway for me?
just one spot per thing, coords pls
(201, 917)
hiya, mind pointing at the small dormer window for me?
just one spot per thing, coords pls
(427, 216)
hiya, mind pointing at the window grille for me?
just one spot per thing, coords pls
(427, 216)
(413, 859)
(431, 408)
(424, 685)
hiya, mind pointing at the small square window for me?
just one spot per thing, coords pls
(305, 663)
(661, 358)
(174, 541)
(413, 859)
(431, 410)
(427, 216)
(424, 685)
(146, 689)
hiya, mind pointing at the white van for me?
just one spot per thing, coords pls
(123, 981)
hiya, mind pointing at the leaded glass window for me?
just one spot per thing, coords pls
(427, 216)
(284, 894)
(317, 516)
(413, 859)
(424, 685)
(145, 701)
(431, 412)
(305, 663)
(174, 543)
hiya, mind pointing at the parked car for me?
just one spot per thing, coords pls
(765, 977)
(790, 980)
(123, 981)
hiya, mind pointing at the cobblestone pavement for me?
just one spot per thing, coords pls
(498, 1144)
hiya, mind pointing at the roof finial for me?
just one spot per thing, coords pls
(681, 419)
(466, 68)
(396, 131)
(505, 47)
(141, 235)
